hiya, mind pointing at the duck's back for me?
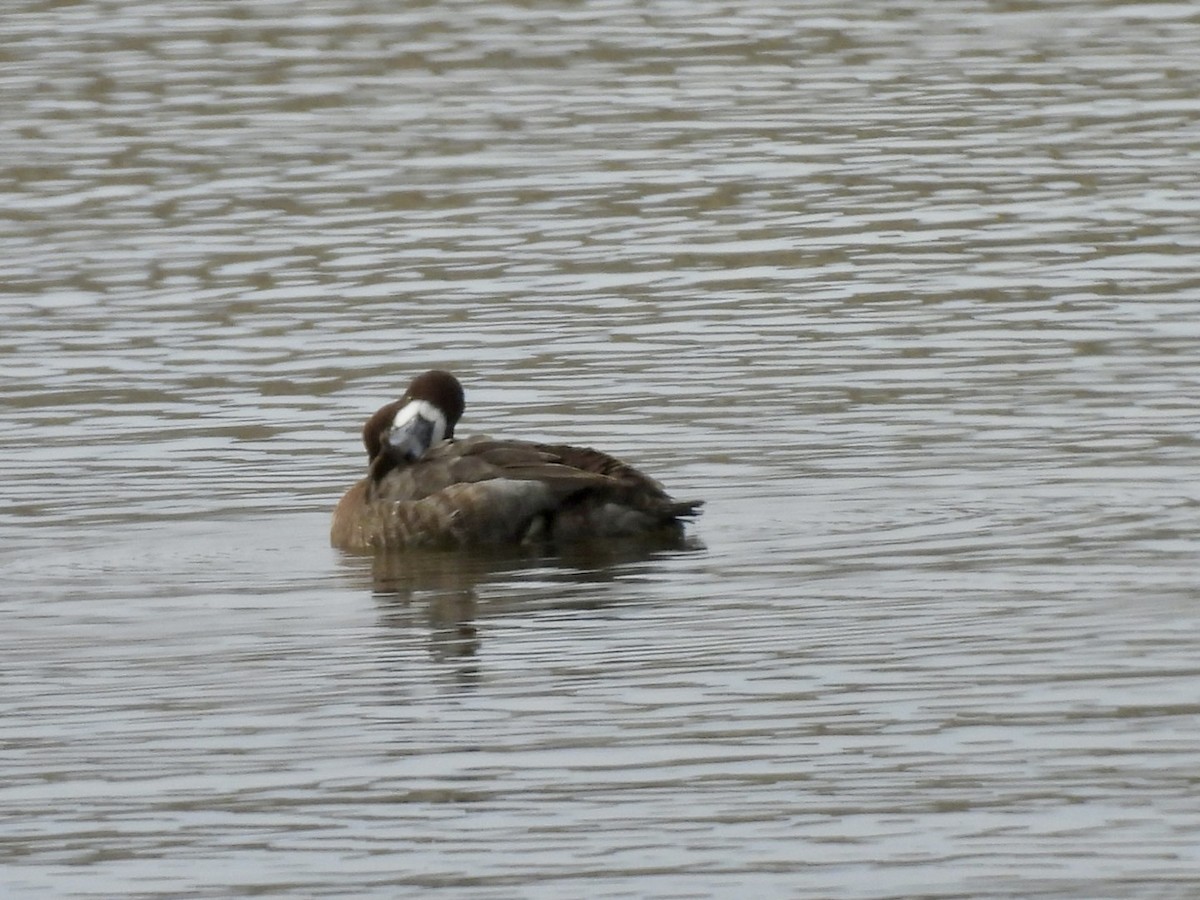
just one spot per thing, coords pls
(485, 491)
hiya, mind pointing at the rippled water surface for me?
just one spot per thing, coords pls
(907, 292)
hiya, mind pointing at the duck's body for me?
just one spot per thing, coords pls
(423, 488)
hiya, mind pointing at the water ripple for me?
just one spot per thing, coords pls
(905, 294)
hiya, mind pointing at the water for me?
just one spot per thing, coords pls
(907, 294)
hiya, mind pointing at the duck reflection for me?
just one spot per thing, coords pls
(441, 590)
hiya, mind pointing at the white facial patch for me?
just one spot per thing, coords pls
(426, 411)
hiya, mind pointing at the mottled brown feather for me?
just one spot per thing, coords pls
(485, 491)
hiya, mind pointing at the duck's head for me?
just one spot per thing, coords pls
(402, 431)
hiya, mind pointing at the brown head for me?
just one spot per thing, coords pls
(402, 431)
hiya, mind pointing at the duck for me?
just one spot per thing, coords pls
(426, 488)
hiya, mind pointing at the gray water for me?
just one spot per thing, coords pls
(908, 293)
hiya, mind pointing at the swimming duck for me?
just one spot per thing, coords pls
(425, 488)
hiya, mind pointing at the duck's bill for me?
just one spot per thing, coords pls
(411, 439)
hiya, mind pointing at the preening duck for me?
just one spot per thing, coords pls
(425, 488)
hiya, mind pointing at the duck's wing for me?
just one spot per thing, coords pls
(479, 460)
(482, 490)
(623, 483)
(463, 493)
